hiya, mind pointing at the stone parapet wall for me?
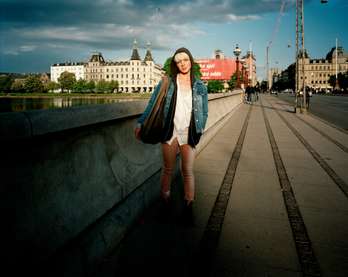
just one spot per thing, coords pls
(74, 180)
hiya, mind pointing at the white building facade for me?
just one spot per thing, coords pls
(134, 75)
(77, 68)
(318, 71)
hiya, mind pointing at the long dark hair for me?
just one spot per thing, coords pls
(174, 70)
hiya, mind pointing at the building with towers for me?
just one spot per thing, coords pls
(317, 72)
(133, 75)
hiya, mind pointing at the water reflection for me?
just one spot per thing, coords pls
(28, 103)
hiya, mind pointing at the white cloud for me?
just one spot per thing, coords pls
(233, 17)
(27, 48)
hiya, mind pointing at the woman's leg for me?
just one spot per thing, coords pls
(187, 161)
(169, 157)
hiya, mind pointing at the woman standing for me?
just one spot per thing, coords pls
(185, 113)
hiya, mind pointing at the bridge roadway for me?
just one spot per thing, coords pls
(271, 200)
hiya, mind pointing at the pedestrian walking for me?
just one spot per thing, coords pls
(249, 92)
(308, 96)
(185, 116)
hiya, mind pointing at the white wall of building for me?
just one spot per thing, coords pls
(58, 69)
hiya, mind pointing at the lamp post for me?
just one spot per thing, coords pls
(300, 56)
(237, 52)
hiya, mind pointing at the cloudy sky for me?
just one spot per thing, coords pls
(37, 33)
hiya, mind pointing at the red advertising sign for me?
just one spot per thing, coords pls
(214, 69)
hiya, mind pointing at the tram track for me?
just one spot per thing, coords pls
(209, 242)
(334, 141)
(306, 256)
(327, 168)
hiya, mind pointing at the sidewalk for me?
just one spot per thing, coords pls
(282, 209)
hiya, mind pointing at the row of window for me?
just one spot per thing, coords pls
(126, 82)
(131, 63)
(316, 81)
(324, 67)
(125, 76)
(116, 70)
(77, 75)
(319, 82)
(62, 69)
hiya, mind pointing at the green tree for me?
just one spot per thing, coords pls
(18, 86)
(166, 66)
(232, 83)
(51, 86)
(102, 87)
(332, 80)
(196, 69)
(67, 81)
(6, 83)
(33, 84)
(90, 86)
(215, 86)
(80, 86)
(113, 86)
(342, 79)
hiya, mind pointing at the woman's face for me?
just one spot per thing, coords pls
(183, 62)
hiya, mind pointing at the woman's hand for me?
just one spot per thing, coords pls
(137, 133)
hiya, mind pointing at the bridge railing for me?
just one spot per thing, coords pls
(74, 180)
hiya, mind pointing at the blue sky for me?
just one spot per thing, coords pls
(37, 33)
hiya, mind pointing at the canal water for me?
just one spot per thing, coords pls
(19, 104)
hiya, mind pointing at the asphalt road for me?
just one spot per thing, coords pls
(333, 109)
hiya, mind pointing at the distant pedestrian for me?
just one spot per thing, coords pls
(185, 116)
(308, 96)
(249, 91)
(257, 91)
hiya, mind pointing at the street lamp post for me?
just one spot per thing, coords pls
(237, 52)
(300, 40)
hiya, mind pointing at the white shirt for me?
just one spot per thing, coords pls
(182, 116)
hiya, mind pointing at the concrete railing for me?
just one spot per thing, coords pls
(74, 180)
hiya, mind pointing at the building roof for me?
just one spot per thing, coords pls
(340, 53)
(69, 64)
(135, 54)
(97, 57)
(148, 56)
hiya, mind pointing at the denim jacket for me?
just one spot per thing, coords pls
(199, 103)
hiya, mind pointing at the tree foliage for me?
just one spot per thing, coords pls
(5, 83)
(51, 86)
(233, 81)
(215, 86)
(196, 69)
(342, 80)
(18, 86)
(33, 84)
(67, 81)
